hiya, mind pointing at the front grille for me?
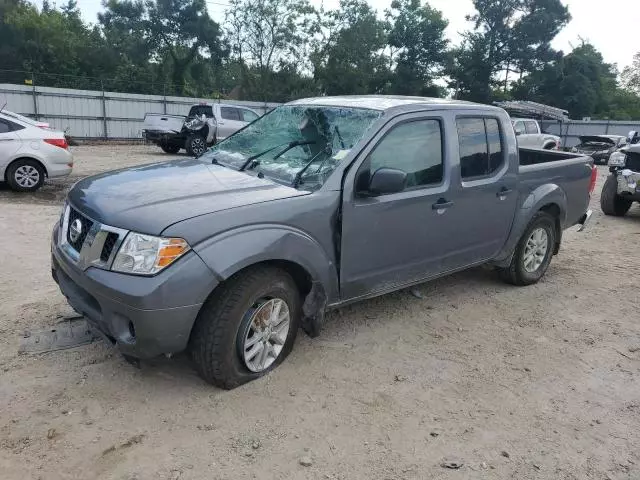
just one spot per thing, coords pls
(85, 225)
(107, 248)
(633, 161)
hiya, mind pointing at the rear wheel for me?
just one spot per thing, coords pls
(247, 328)
(533, 252)
(170, 147)
(25, 175)
(610, 202)
(196, 145)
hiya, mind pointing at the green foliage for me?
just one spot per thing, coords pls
(631, 75)
(582, 83)
(341, 68)
(279, 50)
(418, 46)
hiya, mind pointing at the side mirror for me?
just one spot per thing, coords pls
(387, 180)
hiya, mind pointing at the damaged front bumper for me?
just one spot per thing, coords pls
(628, 182)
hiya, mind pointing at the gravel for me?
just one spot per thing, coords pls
(463, 342)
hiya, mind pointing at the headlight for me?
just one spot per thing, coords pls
(146, 255)
(617, 159)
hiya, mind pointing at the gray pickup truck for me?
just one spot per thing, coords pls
(320, 203)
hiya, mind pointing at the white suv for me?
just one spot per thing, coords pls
(30, 152)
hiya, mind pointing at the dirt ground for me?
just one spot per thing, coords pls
(514, 383)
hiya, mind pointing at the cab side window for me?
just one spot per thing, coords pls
(4, 126)
(481, 147)
(414, 147)
(230, 113)
(248, 115)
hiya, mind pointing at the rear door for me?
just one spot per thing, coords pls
(486, 192)
(9, 141)
(230, 121)
(394, 239)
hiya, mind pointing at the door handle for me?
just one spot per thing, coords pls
(441, 205)
(503, 192)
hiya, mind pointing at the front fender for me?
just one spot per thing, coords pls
(231, 251)
(543, 196)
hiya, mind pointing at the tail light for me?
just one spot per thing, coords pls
(594, 178)
(57, 142)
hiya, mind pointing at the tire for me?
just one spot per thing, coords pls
(610, 202)
(171, 148)
(25, 175)
(217, 343)
(519, 273)
(195, 145)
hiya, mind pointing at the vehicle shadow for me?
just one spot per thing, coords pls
(53, 192)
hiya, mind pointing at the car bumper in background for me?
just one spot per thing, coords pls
(628, 182)
(144, 316)
(58, 161)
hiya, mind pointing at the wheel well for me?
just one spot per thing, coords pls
(549, 145)
(300, 276)
(6, 170)
(554, 210)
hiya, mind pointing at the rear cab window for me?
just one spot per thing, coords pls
(481, 147)
(199, 110)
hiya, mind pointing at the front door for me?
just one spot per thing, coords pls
(230, 121)
(398, 238)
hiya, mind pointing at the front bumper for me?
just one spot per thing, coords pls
(144, 316)
(628, 182)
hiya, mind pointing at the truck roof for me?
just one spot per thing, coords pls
(388, 102)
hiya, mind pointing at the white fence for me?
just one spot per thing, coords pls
(91, 114)
(571, 130)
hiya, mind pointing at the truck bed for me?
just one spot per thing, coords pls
(530, 156)
(571, 172)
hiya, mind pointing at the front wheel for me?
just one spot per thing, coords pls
(247, 327)
(196, 145)
(533, 252)
(610, 202)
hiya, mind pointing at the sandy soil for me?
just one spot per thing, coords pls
(538, 382)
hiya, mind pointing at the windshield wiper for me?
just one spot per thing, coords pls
(289, 145)
(298, 177)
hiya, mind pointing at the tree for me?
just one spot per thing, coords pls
(348, 59)
(580, 82)
(417, 46)
(631, 75)
(508, 35)
(182, 30)
(269, 39)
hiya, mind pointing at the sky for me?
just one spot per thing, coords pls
(610, 26)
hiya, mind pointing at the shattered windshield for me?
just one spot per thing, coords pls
(296, 144)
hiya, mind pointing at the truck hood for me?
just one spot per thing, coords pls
(151, 197)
